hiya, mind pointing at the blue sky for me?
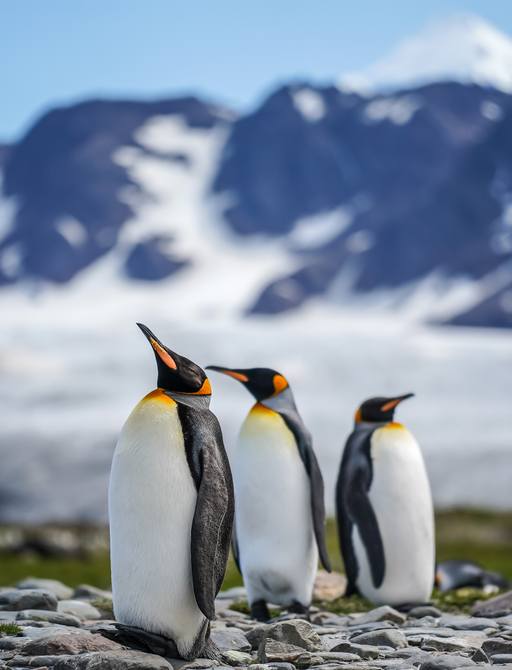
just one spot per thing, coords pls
(234, 51)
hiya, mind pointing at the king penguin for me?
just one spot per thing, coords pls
(384, 509)
(171, 507)
(279, 493)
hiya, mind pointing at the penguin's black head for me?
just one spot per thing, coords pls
(379, 410)
(176, 373)
(263, 383)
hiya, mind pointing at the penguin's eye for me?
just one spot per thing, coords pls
(164, 355)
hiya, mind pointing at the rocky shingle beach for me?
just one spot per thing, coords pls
(45, 624)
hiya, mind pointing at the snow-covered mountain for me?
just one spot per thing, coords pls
(349, 216)
(463, 48)
(398, 199)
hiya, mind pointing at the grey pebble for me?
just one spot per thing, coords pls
(113, 660)
(383, 613)
(25, 599)
(79, 608)
(59, 590)
(51, 617)
(382, 638)
(497, 645)
(447, 662)
(423, 611)
(230, 639)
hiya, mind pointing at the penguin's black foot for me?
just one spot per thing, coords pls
(142, 640)
(259, 610)
(299, 608)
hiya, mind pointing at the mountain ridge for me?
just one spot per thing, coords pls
(317, 194)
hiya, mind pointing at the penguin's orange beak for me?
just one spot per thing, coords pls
(231, 373)
(391, 404)
(159, 349)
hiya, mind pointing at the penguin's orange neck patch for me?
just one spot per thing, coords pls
(158, 395)
(258, 408)
(394, 425)
(205, 389)
(280, 384)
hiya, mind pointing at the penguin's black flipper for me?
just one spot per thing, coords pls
(345, 528)
(305, 445)
(361, 510)
(235, 549)
(213, 518)
(354, 507)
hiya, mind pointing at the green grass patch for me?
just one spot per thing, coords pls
(459, 601)
(477, 535)
(349, 605)
(93, 570)
(10, 629)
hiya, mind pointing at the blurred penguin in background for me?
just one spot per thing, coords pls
(384, 509)
(279, 493)
(456, 574)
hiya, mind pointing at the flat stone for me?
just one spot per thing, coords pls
(328, 619)
(33, 661)
(51, 617)
(11, 643)
(69, 644)
(236, 658)
(364, 651)
(497, 645)
(196, 664)
(27, 599)
(424, 610)
(501, 659)
(230, 639)
(382, 638)
(296, 632)
(447, 662)
(447, 644)
(329, 586)
(88, 592)
(79, 608)
(273, 650)
(383, 613)
(59, 590)
(462, 622)
(44, 629)
(499, 606)
(272, 666)
(113, 660)
(418, 631)
(340, 656)
(8, 616)
(308, 660)
(356, 629)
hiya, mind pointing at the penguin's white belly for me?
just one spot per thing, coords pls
(152, 499)
(278, 553)
(401, 498)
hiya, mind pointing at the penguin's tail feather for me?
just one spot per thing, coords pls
(211, 651)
